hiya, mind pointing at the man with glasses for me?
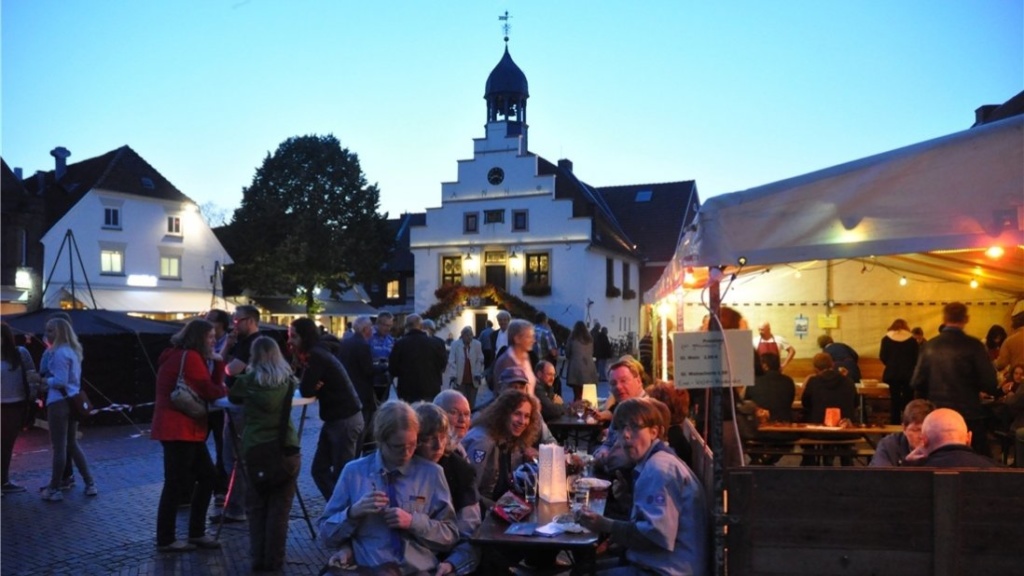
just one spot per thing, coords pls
(246, 320)
(459, 416)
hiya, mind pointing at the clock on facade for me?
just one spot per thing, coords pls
(495, 176)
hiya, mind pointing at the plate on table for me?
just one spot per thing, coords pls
(822, 427)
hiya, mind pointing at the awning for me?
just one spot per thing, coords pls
(286, 306)
(141, 300)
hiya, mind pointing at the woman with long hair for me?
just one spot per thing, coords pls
(501, 438)
(434, 443)
(580, 354)
(994, 340)
(263, 389)
(898, 352)
(65, 380)
(390, 509)
(183, 438)
(521, 337)
(18, 378)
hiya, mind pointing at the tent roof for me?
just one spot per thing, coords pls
(90, 323)
(957, 194)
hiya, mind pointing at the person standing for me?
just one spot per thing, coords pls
(517, 354)
(65, 381)
(487, 344)
(952, 369)
(898, 352)
(247, 328)
(323, 376)
(264, 388)
(602, 353)
(466, 365)
(222, 324)
(766, 342)
(845, 358)
(646, 351)
(1011, 352)
(499, 337)
(579, 353)
(18, 382)
(381, 343)
(183, 438)
(357, 358)
(418, 361)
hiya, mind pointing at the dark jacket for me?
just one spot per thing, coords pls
(844, 357)
(418, 361)
(355, 356)
(952, 369)
(774, 392)
(337, 396)
(548, 409)
(956, 456)
(898, 352)
(829, 389)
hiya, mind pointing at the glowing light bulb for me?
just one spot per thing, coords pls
(688, 277)
(974, 282)
(797, 274)
(995, 252)
(903, 280)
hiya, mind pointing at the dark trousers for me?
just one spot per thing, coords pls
(469, 391)
(216, 423)
(337, 446)
(181, 458)
(12, 416)
(269, 514)
(900, 395)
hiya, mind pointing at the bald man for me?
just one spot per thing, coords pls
(767, 343)
(946, 443)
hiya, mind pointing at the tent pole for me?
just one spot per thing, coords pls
(715, 438)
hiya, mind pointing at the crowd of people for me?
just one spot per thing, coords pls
(407, 481)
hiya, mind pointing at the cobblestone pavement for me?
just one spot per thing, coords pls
(115, 532)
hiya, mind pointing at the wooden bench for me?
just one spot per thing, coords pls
(807, 447)
(880, 521)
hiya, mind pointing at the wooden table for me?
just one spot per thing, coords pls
(566, 427)
(582, 547)
(818, 440)
(817, 431)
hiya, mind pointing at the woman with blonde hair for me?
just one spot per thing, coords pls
(265, 389)
(65, 380)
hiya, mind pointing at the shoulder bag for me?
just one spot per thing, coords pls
(81, 406)
(265, 463)
(184, 398)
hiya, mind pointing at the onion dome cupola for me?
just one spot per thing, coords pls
(506, 93)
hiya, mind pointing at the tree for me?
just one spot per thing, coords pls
(308, 221)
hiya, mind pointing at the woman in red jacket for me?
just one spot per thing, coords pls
(184, 438)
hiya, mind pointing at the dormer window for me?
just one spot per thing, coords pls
(147, 183)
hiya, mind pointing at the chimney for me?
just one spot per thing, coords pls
(61, 154)
(982, 113)
(17, 172)
(565, 164)
(41, 180)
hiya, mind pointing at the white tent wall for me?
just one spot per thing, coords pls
(866, 301)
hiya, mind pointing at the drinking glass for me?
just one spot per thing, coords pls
(580, 497)
(580, 411)
(531, 492)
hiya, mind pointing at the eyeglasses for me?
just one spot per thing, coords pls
(634, 427)
(240, 319)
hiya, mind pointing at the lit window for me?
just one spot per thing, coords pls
(111, 262)
(451, 270)
(520, 221)
(112, 218)
(538, 269)
(170, 267)
(392, 290)
(471, 222)
(173, 225)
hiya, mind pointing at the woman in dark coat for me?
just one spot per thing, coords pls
(899, 354)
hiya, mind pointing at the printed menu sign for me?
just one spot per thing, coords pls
(713, 359)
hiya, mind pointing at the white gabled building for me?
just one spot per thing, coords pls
(140, 242)
(531, 227)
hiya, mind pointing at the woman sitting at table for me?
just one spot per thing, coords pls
(434, 444)
(390, 508)
(677, 400)
(893, 449)
(668, 529)
(501, 438)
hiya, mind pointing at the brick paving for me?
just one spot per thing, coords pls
(115, 533)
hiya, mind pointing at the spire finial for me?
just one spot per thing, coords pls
(506, 26)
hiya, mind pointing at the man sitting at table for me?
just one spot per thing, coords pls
(668, 529)
(946, 443)
(827, 388)
(552, 406)
(893, 449)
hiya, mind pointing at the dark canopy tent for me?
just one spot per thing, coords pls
(121, 353)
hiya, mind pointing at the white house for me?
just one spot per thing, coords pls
(121, 237)
(531, 227)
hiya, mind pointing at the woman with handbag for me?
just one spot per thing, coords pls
(183, 436)
(17, 388)
(265, 389)
(64, 382)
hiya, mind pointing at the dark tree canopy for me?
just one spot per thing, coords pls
(308, 221)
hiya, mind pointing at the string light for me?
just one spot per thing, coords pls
(688, 277)
(995, 252)
(903, 280)
(797, 274)
(974, 282)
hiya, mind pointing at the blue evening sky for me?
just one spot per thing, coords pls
(731, 94)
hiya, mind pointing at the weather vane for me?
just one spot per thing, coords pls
(506, 26)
